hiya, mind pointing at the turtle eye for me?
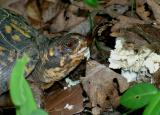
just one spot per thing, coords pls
(70, 44)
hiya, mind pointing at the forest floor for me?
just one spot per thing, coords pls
(121, 35)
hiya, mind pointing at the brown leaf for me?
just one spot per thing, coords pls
(15, 5)
(125, 22)
(120, 2)
(33, 13)
(55, 103)
(83, 27)
(141, 11)
(105, 3)
(155, 6)
(18, 6)
(115, 10)
(5, 3)
(50, 8)
(102, 85)
(156, 78)
(33, 10)
(65, 21)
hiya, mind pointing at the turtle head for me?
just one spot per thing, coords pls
(63, 55)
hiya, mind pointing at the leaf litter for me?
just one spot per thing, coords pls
(136, 21)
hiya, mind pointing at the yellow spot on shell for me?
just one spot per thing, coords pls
(51, 52)
(16, 38)
(26, 34)
(2, 48)
(8, 29)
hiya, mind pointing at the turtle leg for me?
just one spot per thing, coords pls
(38, 94)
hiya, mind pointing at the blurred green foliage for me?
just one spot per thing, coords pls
(92, 3)
(142, 95)
(20, 91)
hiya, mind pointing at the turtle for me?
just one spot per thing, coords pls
(51, 59)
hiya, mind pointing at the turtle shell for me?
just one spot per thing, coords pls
(51, 59)
(16, 38)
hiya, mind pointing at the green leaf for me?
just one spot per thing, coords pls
(18, 111)
(20, 91)
(39, 112)
(29, 104)
(92, 3)
(16, 81)
(138, 96)
(153, 107)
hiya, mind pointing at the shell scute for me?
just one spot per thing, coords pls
(16, 38)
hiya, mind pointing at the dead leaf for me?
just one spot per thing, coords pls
(156, 79)
(141, 11)
(33, 13)
(15, 5)
(18, 6)
(125, 22)
(120, 2)
(84, 27)
(155, 6)
(33, 10)
(65, 21)
(80, 4)
(102, 85)
(115, 10)
(56, 104)
(50, 9)
(5, 3)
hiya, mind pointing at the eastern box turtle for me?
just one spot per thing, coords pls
(50, 59)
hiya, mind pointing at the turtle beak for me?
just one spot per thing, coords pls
(85, 51)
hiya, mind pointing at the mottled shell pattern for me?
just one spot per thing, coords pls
(16, 38)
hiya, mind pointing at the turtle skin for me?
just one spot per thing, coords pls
(50, 59)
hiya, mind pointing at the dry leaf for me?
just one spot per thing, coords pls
(156, 79)
(33, 10)
(65, 102)
(125, 22)
(65, 21)
(102, 85)
(115, 10)
(5, 3)
(155, 6)
(83, 27)
(120, 2)
(15, 5)
(141, 11)
(50, 9)
(33, 13)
